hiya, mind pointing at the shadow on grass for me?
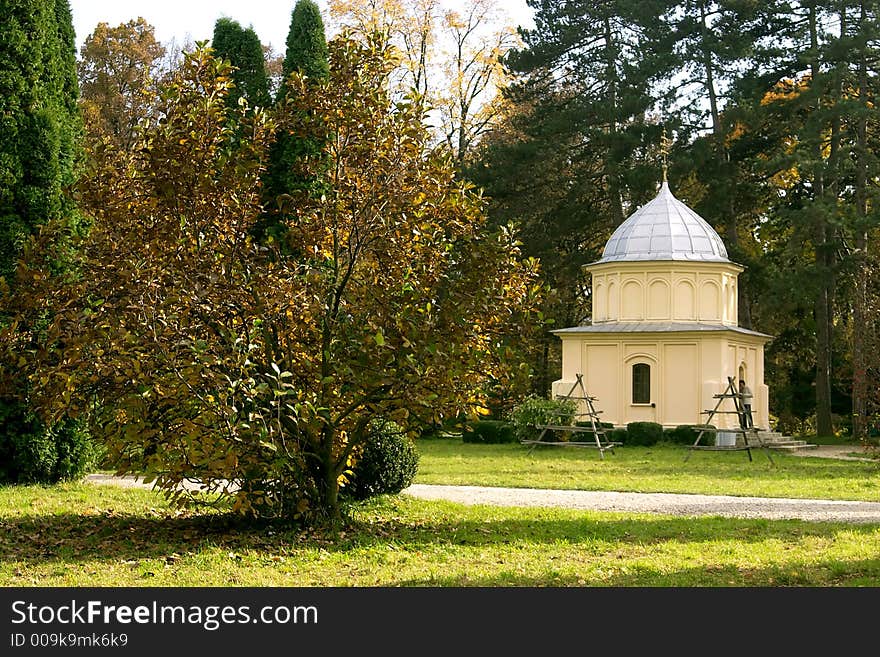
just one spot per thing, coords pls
(72, 537)
(831, 573)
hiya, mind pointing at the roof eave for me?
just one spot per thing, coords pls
(598, 329)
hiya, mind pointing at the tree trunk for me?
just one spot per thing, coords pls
(860, 380)
(824, 424)
(544, 365)
(611, 166)
(331, 482)
(823, 301)
(710, 75)
(729, 218)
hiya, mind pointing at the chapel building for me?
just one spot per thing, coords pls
(664, 335)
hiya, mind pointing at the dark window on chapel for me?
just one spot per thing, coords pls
(641, 384)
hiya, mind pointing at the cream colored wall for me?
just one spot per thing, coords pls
(600, 364)
(751, 354)
(687, 370)
(681, 382)
(665, 291)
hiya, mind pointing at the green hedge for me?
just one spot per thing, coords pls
(643, 434)
(586, 423)
(618, 435)
(684, 434)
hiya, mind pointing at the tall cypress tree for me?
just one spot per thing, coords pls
(39, 121)
(242, 48)
(306, 54)
(40, 133)
(306, 45)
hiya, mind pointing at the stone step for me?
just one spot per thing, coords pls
(793, 446)
(777, 441)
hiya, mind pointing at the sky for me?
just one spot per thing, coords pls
(193, 20)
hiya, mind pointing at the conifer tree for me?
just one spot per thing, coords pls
(593, 63)
(306, 54)
(39, 151)
(242, 48)
(306, 45)
(39, 121)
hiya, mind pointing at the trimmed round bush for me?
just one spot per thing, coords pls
(617, 435)
(31, 453)
(683, 434)
(643, 434)
(388, 462)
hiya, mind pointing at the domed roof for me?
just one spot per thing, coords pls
(664, 229)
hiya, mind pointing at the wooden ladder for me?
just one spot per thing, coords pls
(599, 442)
(729, 393)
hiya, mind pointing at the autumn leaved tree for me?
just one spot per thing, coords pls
(209, 359)
(452, 57)
(117, 71)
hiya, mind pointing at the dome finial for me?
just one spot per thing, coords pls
(665, 143)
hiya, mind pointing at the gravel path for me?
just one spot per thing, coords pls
(671, 503)
(664, 503)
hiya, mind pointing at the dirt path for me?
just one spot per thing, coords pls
(844, 452)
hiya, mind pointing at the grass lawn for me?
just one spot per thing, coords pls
(658, 469)
(88, 535)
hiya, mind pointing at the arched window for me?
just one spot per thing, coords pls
(641, 392)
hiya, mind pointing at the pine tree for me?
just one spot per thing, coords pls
(306, 55)
(242, 48)
(709, 43)
(597, 55)
(574, 158)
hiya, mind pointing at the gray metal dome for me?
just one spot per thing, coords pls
(664, 229)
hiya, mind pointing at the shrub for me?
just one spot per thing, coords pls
(586, 423)
(589, 436)
(686, 434)
(618, 435)
(32, 453)
(643, 433)
(488, 432)
(683, 434)
(536, 411)
(387, 463)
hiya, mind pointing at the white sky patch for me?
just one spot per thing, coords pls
(193, 20)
